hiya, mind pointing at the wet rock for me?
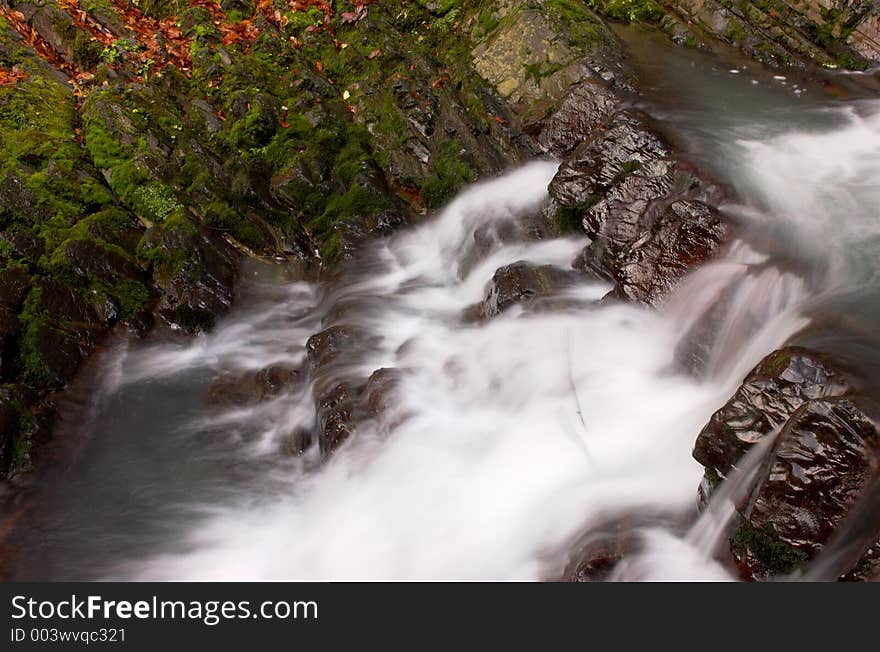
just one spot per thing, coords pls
(823, 458)
(196, 286)
(350, 404)
(578, 117)
(378, 395)
(56, 354)
(524, 282)
(253, 387)
(17, 199)
(335, 416)
(326, 346)
(89, 260)
(599, 556)
(686, 234)
(827, 32)
(25, 244)
(780, 384)
(650, 216)
(14, 281)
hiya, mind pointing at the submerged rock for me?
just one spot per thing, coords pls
(524, 282)
(351, 404)
(253, 387)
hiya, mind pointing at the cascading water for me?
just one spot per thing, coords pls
(508, 439)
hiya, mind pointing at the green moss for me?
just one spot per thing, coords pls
(160, 8)
(712, 477)
(776, 557)
(626, 169)
(86, 51)
(451, 172)
(154, 202)
(629, 11)
(222, 217)
(569, 219)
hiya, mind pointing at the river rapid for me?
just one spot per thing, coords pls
(510, 441)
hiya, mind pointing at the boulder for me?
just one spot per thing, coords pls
(780, 384)
(824, 457)
(650, 215)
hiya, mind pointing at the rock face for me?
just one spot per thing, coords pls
(826, 451)
(648, 214)
(778, 33)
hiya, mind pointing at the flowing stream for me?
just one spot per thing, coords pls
(508, 439)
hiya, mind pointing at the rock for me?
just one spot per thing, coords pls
(823, 458)
(577, 117)
(780, 384)
(14, 281)
(25, 244)
(650, 216)
(89, 261)
(56, 355)
(350, 404)
(253, 387)
(335, 416)
(18, 200)
(524, 282)
(687, 234)
(196, 288)
(378, 395)
(324, 347)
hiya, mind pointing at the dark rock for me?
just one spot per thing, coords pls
(198, 287)
(378, 395)
(89, 261)
(64, 304)
(523, 282)
(25, 244)
(685, 235)
(649, 215)
(17, 199)
(577, 117)
(324, 347)
(344, 407)
(9, 427)
(823, 458)
(14, 281)
(252, 387)
(335, 416)
(59, 353)
(780, 384)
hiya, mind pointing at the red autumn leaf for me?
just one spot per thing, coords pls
(500, 120)
(319, 66)
(375, 53)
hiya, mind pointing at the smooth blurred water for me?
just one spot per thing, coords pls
(509, 439)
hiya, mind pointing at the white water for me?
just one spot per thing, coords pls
(509, 439)
(518, 434)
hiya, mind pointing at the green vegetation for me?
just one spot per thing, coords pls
(776, 557)
(452, 172)
(629, 11)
